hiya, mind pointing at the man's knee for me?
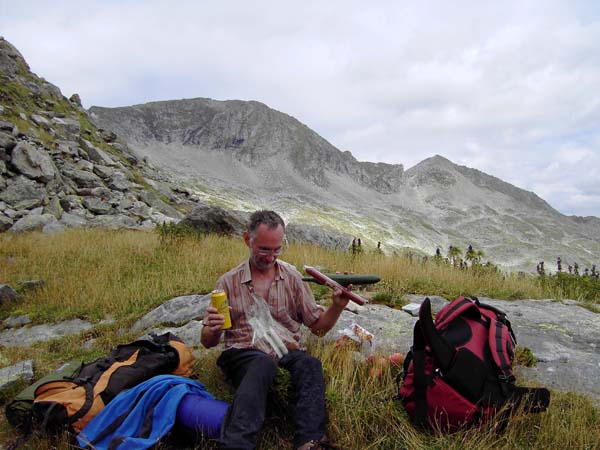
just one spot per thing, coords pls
(314, 364)
(263, 367)
(309, 364)
(305, 368)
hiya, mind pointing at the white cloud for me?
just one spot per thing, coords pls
(510, 88)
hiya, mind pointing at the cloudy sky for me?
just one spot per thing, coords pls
(511, 88)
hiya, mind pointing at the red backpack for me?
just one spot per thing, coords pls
(459, 370)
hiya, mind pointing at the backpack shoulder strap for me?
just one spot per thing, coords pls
(497, 314)
(442, 350)
(458, 307)
(420, 379)
(499, 339)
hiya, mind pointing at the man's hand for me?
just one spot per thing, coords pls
(211, 331)
(213, 320)
(339, 299)
(329, 317)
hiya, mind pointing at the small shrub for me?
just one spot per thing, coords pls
(566, 285)
(384, 297)
(525, 357)
(176, 231)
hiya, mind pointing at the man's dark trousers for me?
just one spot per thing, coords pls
(252, 373)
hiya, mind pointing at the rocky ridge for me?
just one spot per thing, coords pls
(59, 170)
(240, 129)
(243, 155)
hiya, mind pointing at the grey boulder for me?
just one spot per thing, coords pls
(7, 294)
(7, 141)
(176, 311)
(315, 235)
(97, 206)
(33, 162)
(214, 219)
(20, 372)
(16, 321)
(26, 336)
(23, 193)
(112, 222)
(72, 220)
(32, 222)
(96, 154)
(69, 128)
(83, 178)
(5, 223)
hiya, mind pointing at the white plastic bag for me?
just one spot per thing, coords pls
(268, 334)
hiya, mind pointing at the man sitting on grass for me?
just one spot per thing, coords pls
(252, 367)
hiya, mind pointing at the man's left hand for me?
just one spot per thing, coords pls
(339, 299)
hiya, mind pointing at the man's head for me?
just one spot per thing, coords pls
(264, 237)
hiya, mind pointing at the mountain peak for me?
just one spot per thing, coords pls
(12, 62)
(433, 161)
(249, 133)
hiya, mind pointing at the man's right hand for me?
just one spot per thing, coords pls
(211, 330)
(213, 321)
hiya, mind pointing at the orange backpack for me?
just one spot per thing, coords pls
(72, 402)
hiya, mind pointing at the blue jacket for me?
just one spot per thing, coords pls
(138, 418)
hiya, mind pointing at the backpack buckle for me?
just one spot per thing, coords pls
(507, 378)
(506, 382)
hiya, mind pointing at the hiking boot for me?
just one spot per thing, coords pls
(318, 444)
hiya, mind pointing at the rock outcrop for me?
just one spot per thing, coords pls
(562, 335)
(214, 219)
(7, 294)
(315, 235)
(20, 372)
(58, 170)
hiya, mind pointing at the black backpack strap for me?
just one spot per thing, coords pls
(442, 350)
(501, 317)
(528, 400)
(498, 335)
(87, 404)
(531, 400)
(420, 380)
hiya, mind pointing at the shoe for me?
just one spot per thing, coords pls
(318, 444)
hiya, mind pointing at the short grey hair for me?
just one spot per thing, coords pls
(265, 217)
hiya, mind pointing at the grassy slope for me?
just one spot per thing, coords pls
(96, 274)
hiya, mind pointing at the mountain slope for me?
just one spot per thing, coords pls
(248, 132)
(59, 170)
(246, 155)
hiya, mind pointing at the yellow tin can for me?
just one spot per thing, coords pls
(218, 299)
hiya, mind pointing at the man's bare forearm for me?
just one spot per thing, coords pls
(330, 316)
(327, 320)
(208, 338)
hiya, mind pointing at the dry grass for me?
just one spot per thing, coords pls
(362, 416)
(95, 274)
